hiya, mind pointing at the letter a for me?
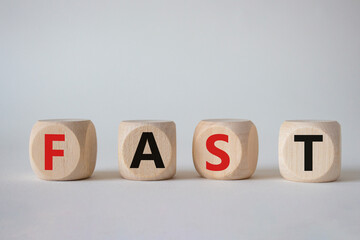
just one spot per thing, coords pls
(139, 153)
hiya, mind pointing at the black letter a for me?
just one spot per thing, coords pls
(155, 154)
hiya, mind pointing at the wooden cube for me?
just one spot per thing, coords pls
(147, 149)
(225, 148)
(310, 151)
(63, 149)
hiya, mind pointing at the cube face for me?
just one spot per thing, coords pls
(225, 148)
(310, 151)
(63, 149)
(147, 150)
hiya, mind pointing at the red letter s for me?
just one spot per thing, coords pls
(210, 145)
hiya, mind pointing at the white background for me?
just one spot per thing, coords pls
(109, 61)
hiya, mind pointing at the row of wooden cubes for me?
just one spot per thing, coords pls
(309, 151)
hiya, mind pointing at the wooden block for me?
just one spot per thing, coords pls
(63, 149)
(225, 148)
(310, 151)
(147, 150)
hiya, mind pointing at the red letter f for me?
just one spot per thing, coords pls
(49, 151)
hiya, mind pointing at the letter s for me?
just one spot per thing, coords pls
(210, 146)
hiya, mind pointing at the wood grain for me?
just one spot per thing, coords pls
(326, 154)
(79, 146)
(241, 147)
(130, 133)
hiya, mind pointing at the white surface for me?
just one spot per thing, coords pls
(186, 207)
(267, 61)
